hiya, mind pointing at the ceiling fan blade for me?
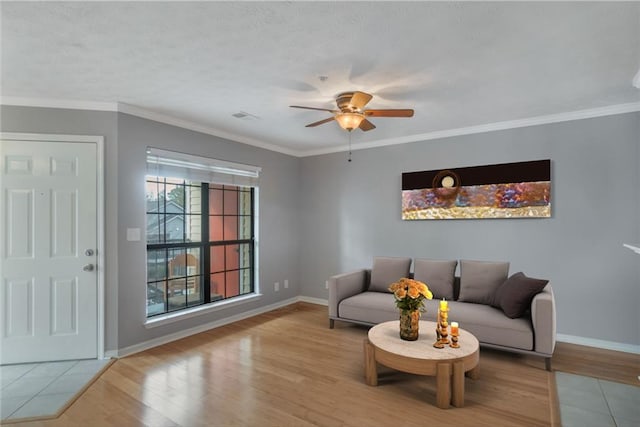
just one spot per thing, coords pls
(389, 113)
(313, 108)
(360, 99)
(366, 125)
(321, 122)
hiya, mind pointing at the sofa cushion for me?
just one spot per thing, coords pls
(387, 270)
(491, 326)
(479, 280)
(369, 307)
(515, 294)
(438, 275)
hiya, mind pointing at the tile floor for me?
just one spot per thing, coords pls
(586, 402)
(41, 389)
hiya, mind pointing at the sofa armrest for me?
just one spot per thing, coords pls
(344, 286)
(543, 317)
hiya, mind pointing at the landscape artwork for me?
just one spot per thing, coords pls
(507, 190)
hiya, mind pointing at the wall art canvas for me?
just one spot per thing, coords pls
(507, 190)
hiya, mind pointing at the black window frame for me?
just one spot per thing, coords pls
(205, 244)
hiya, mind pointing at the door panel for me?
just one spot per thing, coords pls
(19, 297)
(48, 302)
(63, 223)
(19, 213)
(64, 310)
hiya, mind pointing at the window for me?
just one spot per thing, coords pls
(200, 231)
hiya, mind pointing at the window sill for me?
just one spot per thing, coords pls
(166, 319)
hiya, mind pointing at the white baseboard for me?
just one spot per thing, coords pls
(592, 342)
(311, 300)
(136, 348)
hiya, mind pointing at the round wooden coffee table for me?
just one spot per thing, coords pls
(448, 365)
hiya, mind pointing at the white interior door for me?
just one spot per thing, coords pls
(48, 245)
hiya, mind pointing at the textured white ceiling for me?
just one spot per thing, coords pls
(458, 64)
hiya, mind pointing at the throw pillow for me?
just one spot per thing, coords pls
(515, 294)
(479, 280)
(438, 275)
(387, 270)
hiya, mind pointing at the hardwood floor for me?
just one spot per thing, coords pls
(609, 365)
(287, 368)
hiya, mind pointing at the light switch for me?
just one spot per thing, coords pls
(133, 234)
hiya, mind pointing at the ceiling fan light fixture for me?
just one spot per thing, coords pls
(349, 121)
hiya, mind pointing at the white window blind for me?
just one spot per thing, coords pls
(196, 168)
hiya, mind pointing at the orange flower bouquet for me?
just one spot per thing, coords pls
(410, 294)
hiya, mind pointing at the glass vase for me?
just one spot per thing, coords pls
(409, 323)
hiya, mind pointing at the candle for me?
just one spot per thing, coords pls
(454, 328)
(443, 305)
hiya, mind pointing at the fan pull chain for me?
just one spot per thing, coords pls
(349, 146)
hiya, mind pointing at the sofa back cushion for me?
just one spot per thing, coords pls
(479, 280)
(387, 270)
(515, 294)
(438, 275)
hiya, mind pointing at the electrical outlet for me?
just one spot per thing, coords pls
(276, 286)
(286, 283)
(326, 284)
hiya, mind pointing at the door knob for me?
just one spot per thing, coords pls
(88, 267)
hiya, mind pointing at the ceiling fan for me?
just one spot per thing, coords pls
(351, 113)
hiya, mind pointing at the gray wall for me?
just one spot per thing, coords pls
(278, 217)
(125, 161)
(350, 212)
(77, 122)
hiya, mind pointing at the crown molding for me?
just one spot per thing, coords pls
(71, 104)
(448, 133)
(489, 127)
(133, 110)
(186, 124)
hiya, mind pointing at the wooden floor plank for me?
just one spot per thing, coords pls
(287, 368)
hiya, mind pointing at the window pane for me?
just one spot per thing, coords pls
(233, 283)
(232, 257)
(174, 231)
(230, 228)
(155, 298)
(193, 227)
(215, 228)
(193, 261)
(196, 297)
(154, 194)
(177, 266)
(156, 265)
(244, 229)
(245, 281)
(153, 228)
(217, 259)
(230, 202)
(193, 199)
(177, 294)
(245, 255)
(151, 194)
(217, 286)
(215, 202)
(175, 196)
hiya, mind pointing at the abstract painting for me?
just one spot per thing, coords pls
(506, 190)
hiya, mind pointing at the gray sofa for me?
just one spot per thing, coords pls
(513, 313)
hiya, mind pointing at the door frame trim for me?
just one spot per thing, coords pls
(100, 209)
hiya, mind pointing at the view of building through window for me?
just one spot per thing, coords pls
(200, 243)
